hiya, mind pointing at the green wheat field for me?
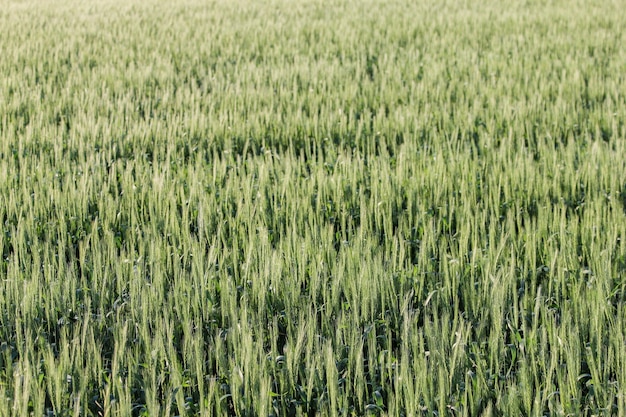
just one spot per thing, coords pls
(312, 208)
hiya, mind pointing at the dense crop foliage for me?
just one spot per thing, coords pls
(299, 208)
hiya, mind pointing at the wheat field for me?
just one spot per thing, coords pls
(312, 208)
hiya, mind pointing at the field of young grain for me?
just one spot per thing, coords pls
(303, 208)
